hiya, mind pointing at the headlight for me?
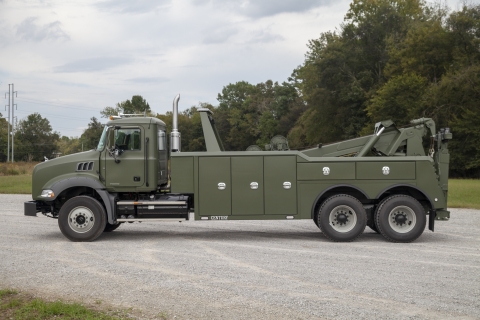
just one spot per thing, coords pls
(47, 194)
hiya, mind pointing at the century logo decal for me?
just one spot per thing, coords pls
(326, 171)
(386, 170)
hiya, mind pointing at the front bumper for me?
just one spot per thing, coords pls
(30, 208)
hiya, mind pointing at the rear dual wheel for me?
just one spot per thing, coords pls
(400, 218)
(342, 218)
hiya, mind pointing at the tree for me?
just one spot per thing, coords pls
(69, 145)
(138, 105)
(34, 139)
(252, 114)
(91, 136)
(3, 138)
(454, 102)
(399, 99)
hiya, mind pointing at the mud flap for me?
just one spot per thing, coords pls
(431, 220)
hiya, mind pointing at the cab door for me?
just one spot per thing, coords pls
(125, 158)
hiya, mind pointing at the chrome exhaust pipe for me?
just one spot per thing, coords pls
(175, 142)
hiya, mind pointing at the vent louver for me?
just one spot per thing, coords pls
(85, 166)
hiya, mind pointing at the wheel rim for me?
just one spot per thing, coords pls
(81, 219)
(402, 219)
(343, 218)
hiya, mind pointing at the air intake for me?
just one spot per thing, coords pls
(85, 166)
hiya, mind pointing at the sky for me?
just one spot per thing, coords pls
(70, 59)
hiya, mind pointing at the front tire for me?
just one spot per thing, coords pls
(111, 227)
(342, 218)
(400, 218)
(82, 218)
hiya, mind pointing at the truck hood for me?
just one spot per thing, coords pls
(45, 174)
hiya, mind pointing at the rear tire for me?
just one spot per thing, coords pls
(400, 218)
(82, 218)
(342, 218)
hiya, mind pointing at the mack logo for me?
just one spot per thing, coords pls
(219, 218)
(386, 170)
(326, 171)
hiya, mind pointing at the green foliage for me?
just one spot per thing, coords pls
(399, 60)
(138, 105)
(91, 135)
(3, 138)
(400, 99)
(34, 139)
(69, 145)
(252, 114)
(455, 103)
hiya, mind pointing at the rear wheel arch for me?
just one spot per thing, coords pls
(408, 190)
(346, 189)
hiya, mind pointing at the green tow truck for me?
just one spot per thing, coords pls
(385, 181)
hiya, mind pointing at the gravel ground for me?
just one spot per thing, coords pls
(247, 269)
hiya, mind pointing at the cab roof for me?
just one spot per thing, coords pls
(136, 120)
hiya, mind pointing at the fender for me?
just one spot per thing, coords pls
(409, 186)
(108, 199)
(333, 187)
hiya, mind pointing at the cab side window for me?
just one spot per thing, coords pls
(128, 139)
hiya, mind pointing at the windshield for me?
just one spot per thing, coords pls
(101, 143)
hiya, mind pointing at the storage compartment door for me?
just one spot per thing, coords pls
(215, 188)
(247, 186)
(280, 185)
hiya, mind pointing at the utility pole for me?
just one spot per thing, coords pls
(14, 94)
(8, 124)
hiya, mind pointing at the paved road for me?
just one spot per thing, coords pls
(246, 269)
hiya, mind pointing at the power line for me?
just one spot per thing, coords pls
(56, 104)
(51, 115)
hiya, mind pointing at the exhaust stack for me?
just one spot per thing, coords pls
(175, 142)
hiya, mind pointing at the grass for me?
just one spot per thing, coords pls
(464, 193)
(16, 184)
(21, 306)
(16, 177)
(16, 168)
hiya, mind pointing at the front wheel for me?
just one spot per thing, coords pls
(342, 218)
(82, 218)
(400, 218)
